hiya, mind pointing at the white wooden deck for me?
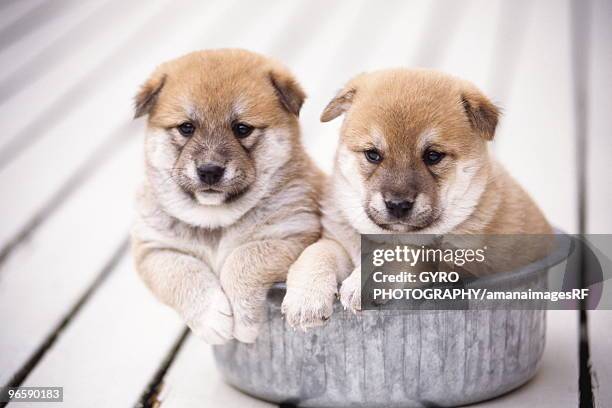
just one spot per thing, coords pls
(74, 313)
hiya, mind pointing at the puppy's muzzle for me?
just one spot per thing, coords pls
(210, 174)
(399, 208)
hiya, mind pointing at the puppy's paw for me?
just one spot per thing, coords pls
(214, 323)
(308, 308)
(248, 304)
(246, 324)
(350, 293)
(246, 331)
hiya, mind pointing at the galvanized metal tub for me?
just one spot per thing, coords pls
(392, 358)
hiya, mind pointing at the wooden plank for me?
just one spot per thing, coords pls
(594, 101)
(599, 327)
(599, 106)
(12, 11)
(39, 82)
(41, 36)
(539, 116)
(470, 51)
(265, 40)
(193, 380)
(63, 257)
(35, 17)
(443, 20)
(513, 19)
(556, 383)
(107, 355)
(600, 345)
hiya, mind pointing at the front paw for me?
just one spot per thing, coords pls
(247, 320)
(350, 293)
(308, 308)
(248, 305)
(213, 323)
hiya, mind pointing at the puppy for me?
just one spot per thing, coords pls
(412, 158)
(230, 197)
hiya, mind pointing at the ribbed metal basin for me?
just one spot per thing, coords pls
(388, 358)
(392, 358)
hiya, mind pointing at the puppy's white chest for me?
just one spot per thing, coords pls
(213, 247)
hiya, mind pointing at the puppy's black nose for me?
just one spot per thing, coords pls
(210, 173)
(399, 209)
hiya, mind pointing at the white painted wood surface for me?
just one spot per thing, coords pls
(600, 331)
(599, 170)
(39, 283)
(194, 381)
(13, 10)
(599, 198)
(536, 136)
(66, 115)
(40, 37)
(72, 64)
(106, 357)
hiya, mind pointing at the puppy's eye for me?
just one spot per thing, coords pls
(186, 129)
(242, 130)
(373, 156)
(432, 157)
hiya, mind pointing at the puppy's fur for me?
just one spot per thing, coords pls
(402, 114)
(212, 251)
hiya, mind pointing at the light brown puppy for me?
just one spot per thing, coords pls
(230, 197)
(412, 158)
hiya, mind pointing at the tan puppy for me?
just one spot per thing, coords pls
(412, 158)
(230, 198)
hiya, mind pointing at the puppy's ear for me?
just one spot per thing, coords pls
(289, 91)
(147, 96)
(481, 112)
(340, 104)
